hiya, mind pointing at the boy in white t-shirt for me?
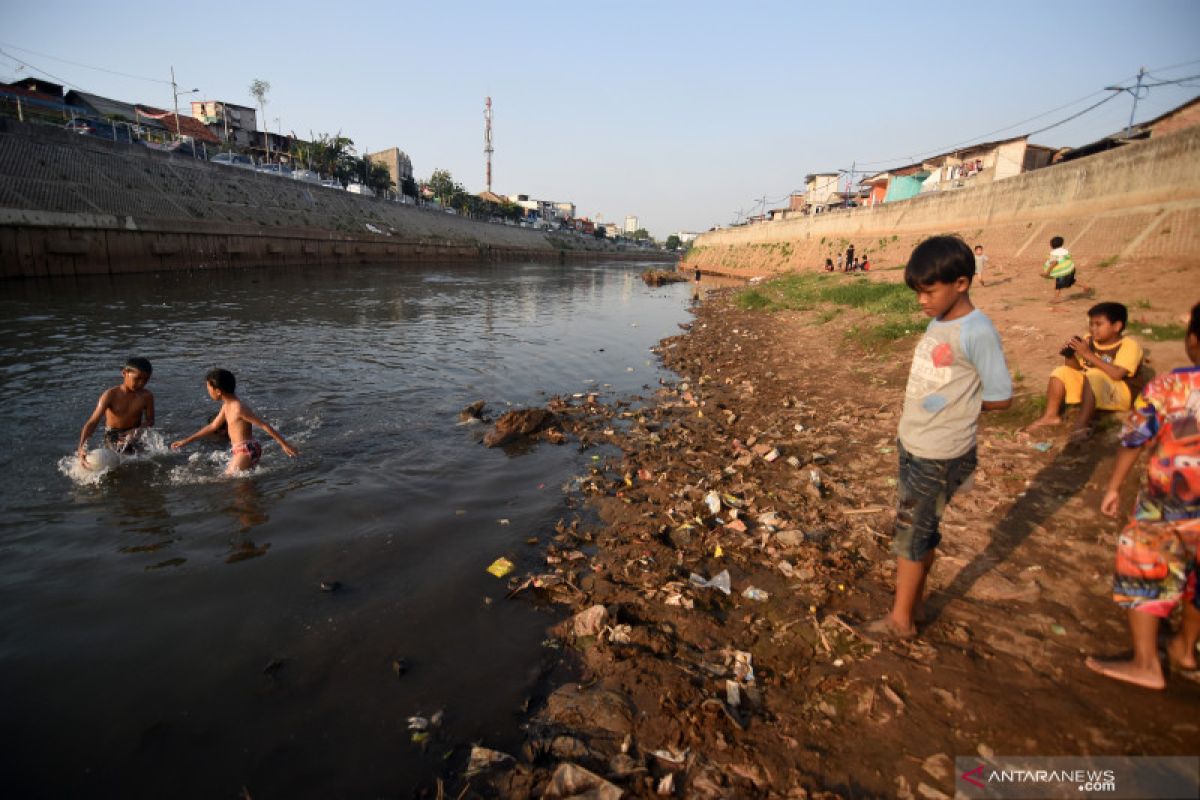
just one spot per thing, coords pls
(958, 370)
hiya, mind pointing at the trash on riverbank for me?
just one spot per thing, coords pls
(659, 277)
(501, 567)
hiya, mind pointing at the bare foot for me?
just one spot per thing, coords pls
(1179, 656)
(887, 628)
(1149, 678)
(1043, 423)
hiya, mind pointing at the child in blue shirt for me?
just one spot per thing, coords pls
(958, 370)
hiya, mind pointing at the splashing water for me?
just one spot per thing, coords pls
(102, 461)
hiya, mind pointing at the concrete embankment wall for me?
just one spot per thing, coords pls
(1128, 205)
(76, 205)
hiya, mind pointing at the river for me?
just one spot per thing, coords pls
(163, 630)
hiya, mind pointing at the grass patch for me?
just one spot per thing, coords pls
(752, 300)
(1108, 262)
(1167, 332)
(1142, 303)
(892, 306)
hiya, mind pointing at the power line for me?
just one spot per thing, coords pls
(79, 64)
(23, 63)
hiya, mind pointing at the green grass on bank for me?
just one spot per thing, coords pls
(1167, 332)
(892, 306)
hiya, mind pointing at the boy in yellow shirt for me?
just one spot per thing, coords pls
(1096, 371)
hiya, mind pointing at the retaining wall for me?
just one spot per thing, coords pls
(77, 205)
(1136, 203)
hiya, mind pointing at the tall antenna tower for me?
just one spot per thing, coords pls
(487, 140)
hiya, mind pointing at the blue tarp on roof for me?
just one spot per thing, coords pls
(905, 186)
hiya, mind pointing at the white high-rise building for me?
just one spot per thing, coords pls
(631, 224)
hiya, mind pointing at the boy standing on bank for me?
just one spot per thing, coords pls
(238, 418)
(958, 370)
(1157, 551)
(126, 409)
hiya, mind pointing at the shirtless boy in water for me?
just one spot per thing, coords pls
(237, 417)
(126, 409)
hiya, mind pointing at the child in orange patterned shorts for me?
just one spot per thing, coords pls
(238, 418)
(1157, 551)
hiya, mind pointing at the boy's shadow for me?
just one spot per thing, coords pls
(1053, 485)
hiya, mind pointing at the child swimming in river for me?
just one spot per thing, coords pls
(127, 409)
(237, 418)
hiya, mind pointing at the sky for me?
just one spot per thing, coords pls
(684, 114)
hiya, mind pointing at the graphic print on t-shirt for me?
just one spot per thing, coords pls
(930, 372)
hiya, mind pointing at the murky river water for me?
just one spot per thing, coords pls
(138, 614)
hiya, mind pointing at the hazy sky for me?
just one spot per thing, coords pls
(681, 113)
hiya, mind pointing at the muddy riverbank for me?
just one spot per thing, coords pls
(768, 469)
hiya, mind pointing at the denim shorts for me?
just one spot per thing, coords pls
(923, 488)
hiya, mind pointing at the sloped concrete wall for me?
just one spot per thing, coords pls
(73, 205)
(1139, 202)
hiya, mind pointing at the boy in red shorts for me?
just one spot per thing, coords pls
(1157, 551)
(237, 417)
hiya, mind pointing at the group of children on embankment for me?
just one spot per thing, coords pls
(128, 409)
(959, 370)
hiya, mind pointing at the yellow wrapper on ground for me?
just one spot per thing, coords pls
(500, 567)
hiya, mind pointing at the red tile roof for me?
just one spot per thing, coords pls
(188, 126)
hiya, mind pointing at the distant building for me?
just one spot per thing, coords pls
(118, 111)
(686, 236)
(820, 191)
(233, 123)
(962, 168)
(40, 86)
(399, 165)
(612, 230)
(178, 124)
(631, 224)
(22, 101)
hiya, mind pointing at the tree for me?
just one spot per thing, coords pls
(673, 242)
(258, 90)
(378, 177)
(640, 234)
(444, 188)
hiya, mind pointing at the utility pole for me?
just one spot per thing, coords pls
(175, 93)
(487, 140)
(1136, 91)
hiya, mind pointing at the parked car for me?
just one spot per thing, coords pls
(358, 188)
(305, 175)
(331, 183)
(103, 129)
(278, 170)
(233, 160)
